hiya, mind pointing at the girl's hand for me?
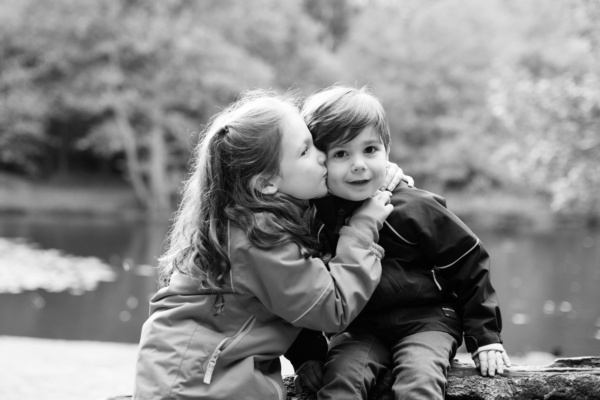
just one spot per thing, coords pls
(394, 176)
(375, 208)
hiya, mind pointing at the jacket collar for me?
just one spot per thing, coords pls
(333, 211)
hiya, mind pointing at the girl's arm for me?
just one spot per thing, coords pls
(304, 291)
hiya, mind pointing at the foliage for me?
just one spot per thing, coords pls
(550, 110)
(138, 79)
(481, 96)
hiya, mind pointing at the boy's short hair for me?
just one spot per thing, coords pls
(339, 113)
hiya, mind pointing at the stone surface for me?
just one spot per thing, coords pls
(564, 379)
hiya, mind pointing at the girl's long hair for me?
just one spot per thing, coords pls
(237, 152)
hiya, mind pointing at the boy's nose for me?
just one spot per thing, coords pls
(358, 166)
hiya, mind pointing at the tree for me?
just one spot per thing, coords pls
(550, 108)
(432, 79)
(145, 76)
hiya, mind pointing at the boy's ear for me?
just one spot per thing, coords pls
(265, 185)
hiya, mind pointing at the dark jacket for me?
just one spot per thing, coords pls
(436, 272)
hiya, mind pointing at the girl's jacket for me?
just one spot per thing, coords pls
(187, 351)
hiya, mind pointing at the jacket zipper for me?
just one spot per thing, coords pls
(221, 348)
(340, 220)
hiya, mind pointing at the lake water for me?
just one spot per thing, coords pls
(548, 284)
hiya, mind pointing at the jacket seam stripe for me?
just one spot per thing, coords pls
(319, 232)
(313, 304)
(181, 362)
(397, 234)
(459, 258)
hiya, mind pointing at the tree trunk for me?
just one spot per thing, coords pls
(157, 167)
(134, 169)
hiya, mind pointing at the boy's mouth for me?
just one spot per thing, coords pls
(358, 183)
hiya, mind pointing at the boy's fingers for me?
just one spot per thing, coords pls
(491, 359)
(506, 359)
(499, 362)
(483, 362)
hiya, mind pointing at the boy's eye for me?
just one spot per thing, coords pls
(370, 149)
(339, 154)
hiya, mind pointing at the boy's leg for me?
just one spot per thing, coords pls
(421, 365)
(354, 361)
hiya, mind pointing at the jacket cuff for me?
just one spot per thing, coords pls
(363, 239)
(494, 347)
(474, 342)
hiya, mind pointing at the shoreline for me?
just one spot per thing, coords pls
(95, 197)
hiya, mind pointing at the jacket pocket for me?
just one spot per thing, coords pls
(223, 347)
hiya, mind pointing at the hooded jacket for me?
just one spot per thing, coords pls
(436, 272)
(187, 351)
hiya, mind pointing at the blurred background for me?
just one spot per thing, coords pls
(495, 105)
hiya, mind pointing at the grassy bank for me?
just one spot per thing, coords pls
(84, 195)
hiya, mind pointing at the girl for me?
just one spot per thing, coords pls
(240, 276)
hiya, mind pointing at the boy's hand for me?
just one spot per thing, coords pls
(394, 176)
(309, 377)
(491, 359)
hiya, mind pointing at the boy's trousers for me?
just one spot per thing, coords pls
(356, 358)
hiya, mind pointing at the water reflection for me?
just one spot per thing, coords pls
(548, 285)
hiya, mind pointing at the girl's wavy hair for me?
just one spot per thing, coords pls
(339, 113)
(238, 152)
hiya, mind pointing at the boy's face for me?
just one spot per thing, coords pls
(357, 169)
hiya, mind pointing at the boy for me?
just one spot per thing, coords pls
(435, 285)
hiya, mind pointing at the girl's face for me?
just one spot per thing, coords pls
(302, 171)
(357, 168)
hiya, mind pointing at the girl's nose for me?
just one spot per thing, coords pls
(321, 157)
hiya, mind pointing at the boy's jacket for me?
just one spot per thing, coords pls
(436, 272)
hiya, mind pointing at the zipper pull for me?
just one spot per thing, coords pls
(210, 368)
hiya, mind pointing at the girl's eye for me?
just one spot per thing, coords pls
(305, 151)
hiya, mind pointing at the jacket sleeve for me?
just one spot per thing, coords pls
(459, 259)
(303, 291)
